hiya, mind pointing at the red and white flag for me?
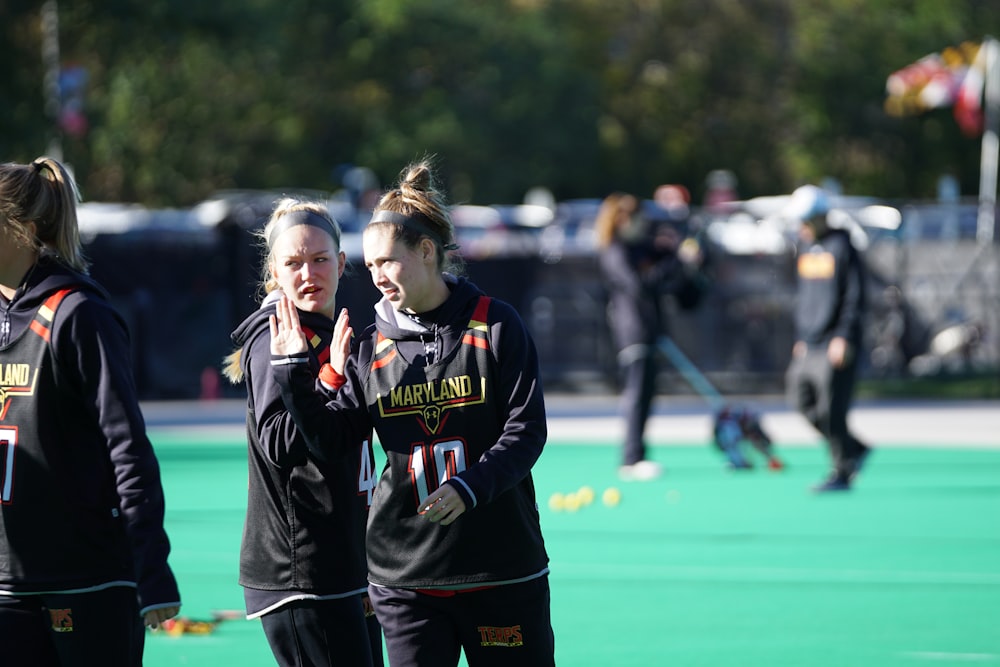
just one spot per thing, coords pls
(968, 108)
(954, 78)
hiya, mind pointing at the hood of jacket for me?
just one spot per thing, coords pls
(451, 315)
(45, 277)
(425, 338)
(257, 322)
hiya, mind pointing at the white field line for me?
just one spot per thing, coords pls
(883, 427)
(950, 657)
(938, 425)
(651, 573)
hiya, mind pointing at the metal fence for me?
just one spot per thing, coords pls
(935, 304)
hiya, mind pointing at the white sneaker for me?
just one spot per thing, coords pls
(640, 471)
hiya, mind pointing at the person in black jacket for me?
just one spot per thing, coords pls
(829, 313)
(83, 551)
(641, 260)
(449, 379)
(302, 562)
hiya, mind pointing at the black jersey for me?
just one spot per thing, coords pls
(82, 505)
(831, 294)
(435, 422)
(455, 398)
(42, 502)
(637, 272)
(306, 515)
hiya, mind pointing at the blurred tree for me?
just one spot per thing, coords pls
(184, 98)
(689, 87)
(194, 98)
(492, 88)
(844, 50)
(24, 129)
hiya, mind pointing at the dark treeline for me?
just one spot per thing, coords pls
(183, 98)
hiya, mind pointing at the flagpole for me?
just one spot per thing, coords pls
(50, 59)
(990, 152)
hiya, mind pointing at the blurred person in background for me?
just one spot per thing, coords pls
(720, 190)
(449, 379)
(302, 562)
(829, 312)
(84, 561)
(674, 200)
(640, 262)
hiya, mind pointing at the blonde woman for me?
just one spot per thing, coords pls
(302, 563)
(640, 263)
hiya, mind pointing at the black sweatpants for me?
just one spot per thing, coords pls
(496, 627)
(638, 366)
(822, 394)
(319, 633)
(95, 629)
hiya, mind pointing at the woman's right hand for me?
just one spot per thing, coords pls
(287, 337)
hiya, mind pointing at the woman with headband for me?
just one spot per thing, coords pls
(302, 563)
(83, 551)
(449, 380)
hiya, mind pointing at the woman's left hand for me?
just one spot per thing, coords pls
(340, 346)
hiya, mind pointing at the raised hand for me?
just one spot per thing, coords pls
(287, 337)
(340, 346)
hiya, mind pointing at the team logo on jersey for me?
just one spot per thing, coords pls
(509, 637)
(432, 417)
(62, 620)
(15, 380)
(431, 400)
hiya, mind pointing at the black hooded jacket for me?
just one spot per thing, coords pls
(831, 290)
(305, 521)
(85, 506)
(638, 271)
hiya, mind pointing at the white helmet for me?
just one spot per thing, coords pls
(807, 202)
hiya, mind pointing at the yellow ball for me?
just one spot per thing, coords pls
(611, 496)
(557, 502)
(571, 502)
(586, 495)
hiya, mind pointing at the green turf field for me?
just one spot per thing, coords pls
(701, 568)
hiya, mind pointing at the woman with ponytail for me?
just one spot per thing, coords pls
(84, 551)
